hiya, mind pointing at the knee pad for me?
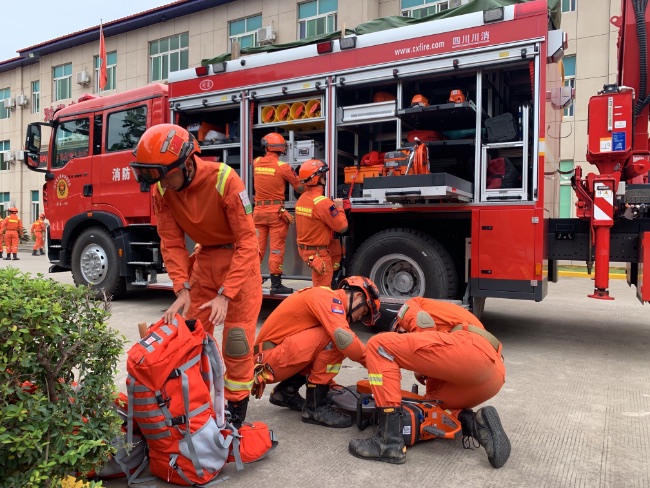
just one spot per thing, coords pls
(343, 338)
(236, 343)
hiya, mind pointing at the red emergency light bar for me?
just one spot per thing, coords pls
(325, 47)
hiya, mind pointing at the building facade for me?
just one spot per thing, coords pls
(145, 47)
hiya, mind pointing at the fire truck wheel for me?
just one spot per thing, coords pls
(95, 264)
(407, 263)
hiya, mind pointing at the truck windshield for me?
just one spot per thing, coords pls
(72, 140)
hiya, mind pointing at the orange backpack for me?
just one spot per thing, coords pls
(175, 396)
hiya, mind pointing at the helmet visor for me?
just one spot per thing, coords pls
(153, 173)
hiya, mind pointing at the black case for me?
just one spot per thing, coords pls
(501, 128)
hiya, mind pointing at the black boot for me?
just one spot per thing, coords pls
(387, 444)
(286, 393)
(16, 258)
(319, 411)
(276, 286)
(485, 427)
(34, 252)
(238, 411)
(42, 252)
(8, 257)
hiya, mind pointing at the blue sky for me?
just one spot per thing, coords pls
(28, 23)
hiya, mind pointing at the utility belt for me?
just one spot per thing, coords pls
(311, 248)
(220, 246)
(264, 346)
(261, 203)
(482, 332)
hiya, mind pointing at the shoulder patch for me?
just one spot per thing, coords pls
(333, 211)
(245, 201)
(336, 300)
(338, 308)
(402, 311)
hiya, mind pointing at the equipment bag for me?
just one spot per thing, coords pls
(175, 389)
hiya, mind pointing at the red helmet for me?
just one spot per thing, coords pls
(310, 172)
(274, 142)
(162, 149)
(13, 210)
(371, 294)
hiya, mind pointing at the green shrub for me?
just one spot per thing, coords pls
(57, 362)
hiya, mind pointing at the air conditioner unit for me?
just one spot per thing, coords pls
(19, 156)
(22, 100)
(83, 78)
(7, 155)
(265, 35)
(9, 102)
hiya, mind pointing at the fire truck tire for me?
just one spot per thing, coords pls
(95, 263)
(407, 263)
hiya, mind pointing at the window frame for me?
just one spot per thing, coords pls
(165, 56)
(60, 81)
(327, 16)
(110, 120)
(570, 80)
(5, 112)
(572, 6)
(424, 4)
(5, 145)
(36, 97)
(566, 190)
(111, 72)
(246, 33)
(57, 150)
(5, 203)
(35, 205)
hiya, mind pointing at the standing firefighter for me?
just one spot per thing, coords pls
(306, 338)
(38, 231)
(316, 217)
(459, 362)
(272, 220)
(13, 228)
(208, 202)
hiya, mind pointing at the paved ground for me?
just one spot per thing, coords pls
(576, 403)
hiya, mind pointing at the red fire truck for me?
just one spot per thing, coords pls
(439, 134)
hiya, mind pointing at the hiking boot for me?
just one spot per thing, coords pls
(277, 288)
(286, 393)
(484, 427)
(387, 444)
(237, 412)
(16, 258)
(319, 411)
(34, 253)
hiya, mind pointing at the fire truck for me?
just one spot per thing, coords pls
(439, 135)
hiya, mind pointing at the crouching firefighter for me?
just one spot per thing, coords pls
(207, 201)
(459, 362)
(304, 341)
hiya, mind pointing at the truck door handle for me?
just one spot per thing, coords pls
(88, 190)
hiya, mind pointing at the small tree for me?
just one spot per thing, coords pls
(57, 362)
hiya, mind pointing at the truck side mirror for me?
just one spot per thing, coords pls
(33, 145)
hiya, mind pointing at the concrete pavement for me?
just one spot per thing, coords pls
(576, 403)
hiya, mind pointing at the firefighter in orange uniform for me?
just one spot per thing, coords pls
(458, 360)
(208, 202)
(13, 228)
(38, 230)
(271, 218)
(306, 338)
(316, 217)
(2, 238)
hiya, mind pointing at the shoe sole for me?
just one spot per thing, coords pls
(500, 440)
(384, 460)
(316, 422)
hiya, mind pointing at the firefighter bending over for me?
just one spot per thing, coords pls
(208, 202)
(13, 228)
(306, 338)
(38, 231)
(459, 362)
(272, 220)
(316, 217)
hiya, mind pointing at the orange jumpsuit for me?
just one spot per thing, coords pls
(462, 368)
(316, 218)
(2, 237)
(271, 176)
(12, 225)
(215, 211)
(38, 229)
(303, 328)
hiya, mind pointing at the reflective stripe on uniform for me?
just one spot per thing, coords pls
(376, 379)
(222, 177)
(161, 190)
(238, 385)
(318, 199)
(333, 368)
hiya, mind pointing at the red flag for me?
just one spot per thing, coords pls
(103, 76)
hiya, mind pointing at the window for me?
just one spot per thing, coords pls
(244, 31)
(36, 97)
(168, 55)
(4, 146)
(111, 63)
(566, 191)
(35, 210)
(569, 5)
(4, 204)
(125, 129)
(316, 17)
(422, 8)
(569, 64)
(5, 113)
(71, 141)
(62, 81)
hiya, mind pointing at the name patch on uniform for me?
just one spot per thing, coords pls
(402, 311)
(243, 196)
(333, 211)
(336, 308)
(336, 300)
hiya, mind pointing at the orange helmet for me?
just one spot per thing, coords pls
(13, 210)
(162, 149)
(310, 172)
(274, 142)
(371, 294)
(456, 96)
(419, 100)
(41, 216)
